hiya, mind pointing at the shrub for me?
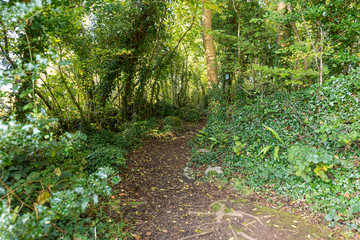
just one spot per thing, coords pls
(172, 123)
(317, 158)
(163, 109)
(109, 156)
(190, 115)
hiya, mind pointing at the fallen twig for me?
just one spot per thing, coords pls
(247, 236)
(197, 235)
(233, 232)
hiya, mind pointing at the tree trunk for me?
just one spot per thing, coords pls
(281, 7)
(210, 53)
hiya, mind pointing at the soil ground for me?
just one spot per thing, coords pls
(157, 202)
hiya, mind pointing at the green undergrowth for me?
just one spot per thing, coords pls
(303, 145)
(55, 186)
(48, 181)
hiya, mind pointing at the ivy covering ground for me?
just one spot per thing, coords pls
(303, 145)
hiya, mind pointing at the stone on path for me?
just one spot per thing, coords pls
(212, 170)
(203, 150)
(189, 174)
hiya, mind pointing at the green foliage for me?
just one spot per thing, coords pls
(239, 146)
(172, 123)
(309, 160)
(110, 156)
(203, 157)
(63, 210)
(163, 109)
(315, 144)
(190, 115)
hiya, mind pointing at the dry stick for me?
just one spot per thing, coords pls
(157, 37)
(320, 68)
(249, 215)
(238, 35)
(321, 53)
(7, 188)
(31, 60)
(197, 235)
(72, 97)
(36, 211)
(233, 232)
(6, 47)
(58, 228)
(247, 236)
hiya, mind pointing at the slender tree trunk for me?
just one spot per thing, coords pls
(281, 7)
(209, 46)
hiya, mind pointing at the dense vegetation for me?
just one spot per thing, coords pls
(82, 82)
(302, 145)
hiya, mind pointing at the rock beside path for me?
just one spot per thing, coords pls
(189, 174)
(212, 170)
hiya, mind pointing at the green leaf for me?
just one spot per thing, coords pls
(28, 189)
(213, 139)
(116, 179)
(53, 153)
(264, 150)
(274, 133)
(17, 176)
(27, 106)
(64, 62)
(276, 153)
(328, 217)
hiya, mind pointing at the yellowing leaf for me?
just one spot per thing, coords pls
(57, 171)
(43, 198)
(53, 153)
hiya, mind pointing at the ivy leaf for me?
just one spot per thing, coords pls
(17, 176)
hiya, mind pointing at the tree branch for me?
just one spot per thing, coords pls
(6, 47)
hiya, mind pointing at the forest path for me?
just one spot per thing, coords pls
(157, 203)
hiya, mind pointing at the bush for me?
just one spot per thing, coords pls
(302, 145)
(163, 109)
(190, 115)
(40, 170)
(110, 156)
(172, 123)
(205, 157)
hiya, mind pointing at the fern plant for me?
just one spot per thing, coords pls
(268, 147)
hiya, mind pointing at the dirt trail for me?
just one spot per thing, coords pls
(158, 204)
